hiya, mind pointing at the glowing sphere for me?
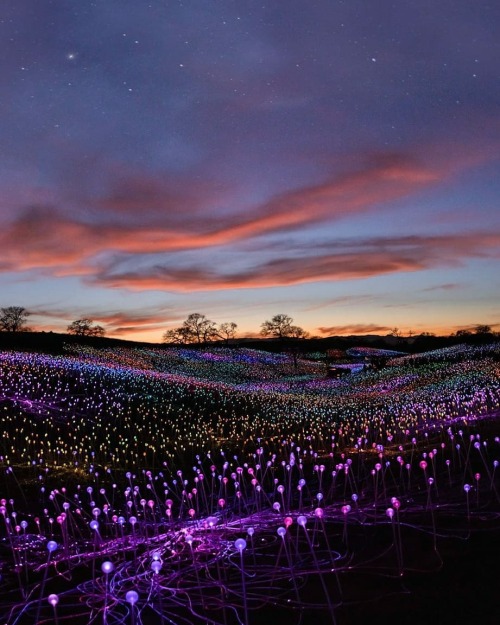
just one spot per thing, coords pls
(53, 600)
(94, 525)
(132, 597)
(107, 567)
(302, 520)
(281, 531)
(240, 544)
(51, 546)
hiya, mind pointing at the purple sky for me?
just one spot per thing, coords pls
(337, 161)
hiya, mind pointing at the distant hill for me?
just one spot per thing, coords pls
(53, 343)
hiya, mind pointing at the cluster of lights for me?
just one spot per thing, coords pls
(211, 531)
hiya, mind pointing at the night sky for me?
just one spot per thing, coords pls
(336, 161)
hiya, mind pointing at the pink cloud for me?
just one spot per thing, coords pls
(144, 219)
(361, 259)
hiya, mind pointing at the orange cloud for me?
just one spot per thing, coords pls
(357, 328)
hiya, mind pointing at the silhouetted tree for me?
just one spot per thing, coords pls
(396, 333)
(482, 329)
(227, 331)
(197, 328)
(14, 319)
(297, 332)
(280, 326)
(200, 328)
(176, 335)
(85, 327)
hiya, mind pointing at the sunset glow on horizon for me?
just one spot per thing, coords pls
(334, 161)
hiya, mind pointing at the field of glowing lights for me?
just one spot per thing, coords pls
(231, 487)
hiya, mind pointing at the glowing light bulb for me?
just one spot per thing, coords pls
(51, 546)
(302, 520)
(240, 544)
(107, 567)
(132, 597)
(53, 600)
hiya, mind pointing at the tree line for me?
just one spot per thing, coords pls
(15, 319)
(198, 329)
